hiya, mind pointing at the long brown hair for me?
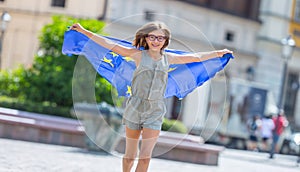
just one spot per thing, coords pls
(140, 36)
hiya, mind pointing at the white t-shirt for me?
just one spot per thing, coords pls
(267, 127)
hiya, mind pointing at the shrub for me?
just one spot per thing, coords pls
(29, 106)
(174, 126)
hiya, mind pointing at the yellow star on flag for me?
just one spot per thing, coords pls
(128, 90)
(114, 54)
(171, 69)
(108, 61)
(128, 59)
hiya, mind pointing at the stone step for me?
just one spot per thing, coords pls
(21, 125)
(182, 147)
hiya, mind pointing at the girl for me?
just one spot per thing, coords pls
(145, 108)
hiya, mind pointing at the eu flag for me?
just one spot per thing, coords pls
(118, 70)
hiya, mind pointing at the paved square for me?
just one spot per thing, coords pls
(21, 156)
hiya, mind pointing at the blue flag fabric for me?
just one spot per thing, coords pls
(118, 70)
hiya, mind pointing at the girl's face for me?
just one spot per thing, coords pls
(156, 40)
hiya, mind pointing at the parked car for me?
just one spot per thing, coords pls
(291, 144)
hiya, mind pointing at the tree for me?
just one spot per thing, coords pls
(50, 77)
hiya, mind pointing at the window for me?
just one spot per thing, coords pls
(58, 3)
(291, 94)
(296, 32)
(199, 2)
(243, 8)
(229, 36)
(297, 11)
(149, 15)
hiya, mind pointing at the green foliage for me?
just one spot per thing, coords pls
(12, 82)
(50, 77)
(173, 125)
(37, 107)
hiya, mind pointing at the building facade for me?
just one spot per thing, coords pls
(195, 27)
(28, 17)
(251, 28)
(280, 19)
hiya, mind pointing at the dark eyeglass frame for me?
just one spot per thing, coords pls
(158, 38)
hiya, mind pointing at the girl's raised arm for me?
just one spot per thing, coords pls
(104, 42)
(196, 57)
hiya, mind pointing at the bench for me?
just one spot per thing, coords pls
(21, 125)
(182, 147)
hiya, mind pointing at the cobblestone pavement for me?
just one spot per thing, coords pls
(20, 156)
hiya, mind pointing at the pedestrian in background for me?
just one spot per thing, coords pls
(280, 123)
(267, 127)
(254, 126)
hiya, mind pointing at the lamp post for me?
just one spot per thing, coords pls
(288, 45)
(5, 18)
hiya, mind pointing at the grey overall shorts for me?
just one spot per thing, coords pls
(146, 107)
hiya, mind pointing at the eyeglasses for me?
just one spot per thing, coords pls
(159, 38)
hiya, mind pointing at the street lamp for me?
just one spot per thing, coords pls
(5, 18)
(288, 45)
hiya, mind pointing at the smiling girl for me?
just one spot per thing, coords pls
(145, 109)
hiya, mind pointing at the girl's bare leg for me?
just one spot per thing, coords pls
(132, 140)
(149, 138)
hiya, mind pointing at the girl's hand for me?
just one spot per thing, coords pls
(220, 53)
(77, 27)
